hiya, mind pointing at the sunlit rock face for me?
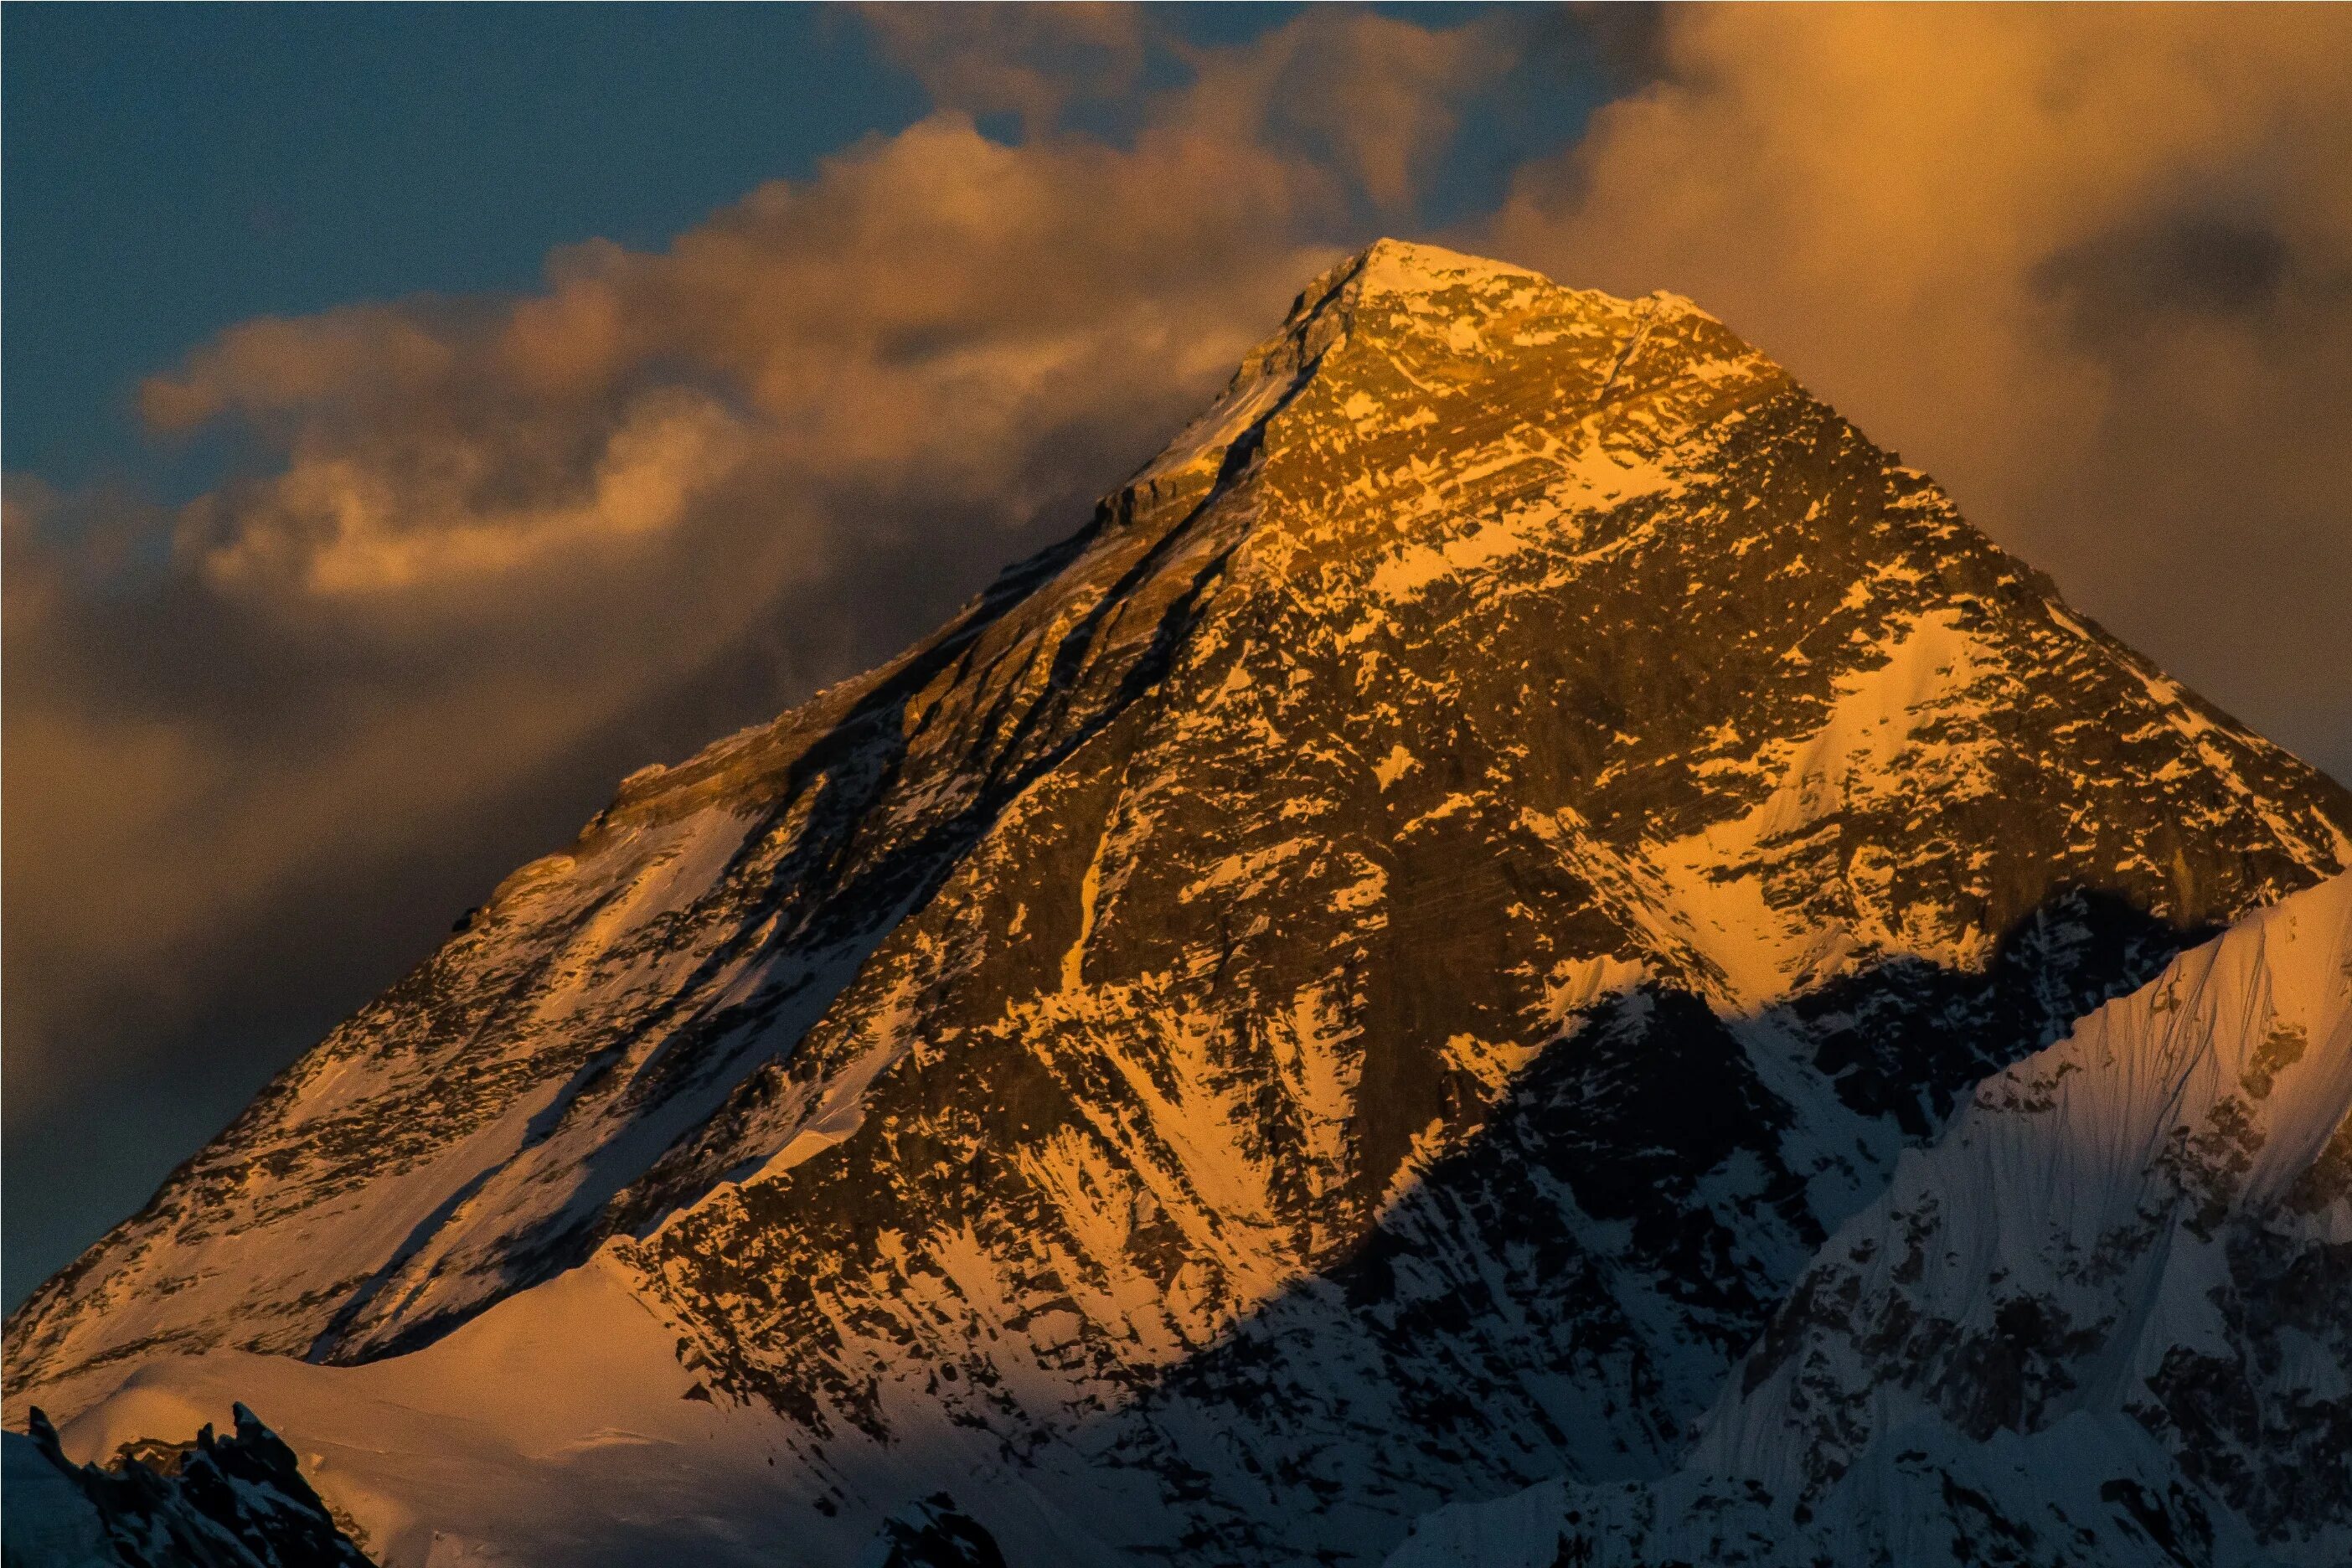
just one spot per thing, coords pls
(1361, 981)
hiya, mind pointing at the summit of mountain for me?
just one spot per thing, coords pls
(1359, 980)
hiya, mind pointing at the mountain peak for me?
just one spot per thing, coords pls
(1399, 270)
(1408, 266)
(1404, 337)
(1396, 943)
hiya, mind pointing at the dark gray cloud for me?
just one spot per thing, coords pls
(2133, 280)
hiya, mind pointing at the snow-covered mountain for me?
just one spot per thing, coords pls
(1361, 981)
(2106, 1320)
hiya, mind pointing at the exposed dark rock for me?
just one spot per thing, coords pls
(233, 1502)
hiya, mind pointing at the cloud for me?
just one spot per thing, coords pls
(2090, 266)
(936, 303)
(1373, 97)
(1027, 60)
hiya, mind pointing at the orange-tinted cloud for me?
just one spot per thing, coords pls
(2091, 266)
(1014, 59)
(934, 300)
(1370, 96)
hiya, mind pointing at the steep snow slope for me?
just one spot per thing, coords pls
(2106, 1320)
(560, 1419)
(1360, 980)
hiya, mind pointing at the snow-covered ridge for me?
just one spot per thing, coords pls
(2105, 1309)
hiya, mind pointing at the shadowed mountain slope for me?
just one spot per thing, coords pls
(2106, 1320)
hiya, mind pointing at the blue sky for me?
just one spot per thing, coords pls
(173, 169)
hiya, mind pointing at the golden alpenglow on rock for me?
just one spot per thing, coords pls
(1434, 942)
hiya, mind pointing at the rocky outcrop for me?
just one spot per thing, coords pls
(233, 1502)
(934, 1533)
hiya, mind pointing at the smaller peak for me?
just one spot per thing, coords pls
(1407, 267)
(1403, 269)
(1666, 302)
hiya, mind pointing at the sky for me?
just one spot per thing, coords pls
(417, 418)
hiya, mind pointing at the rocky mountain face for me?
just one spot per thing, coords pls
(2105, 1320)
(233, 1502)
(1361, 981)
